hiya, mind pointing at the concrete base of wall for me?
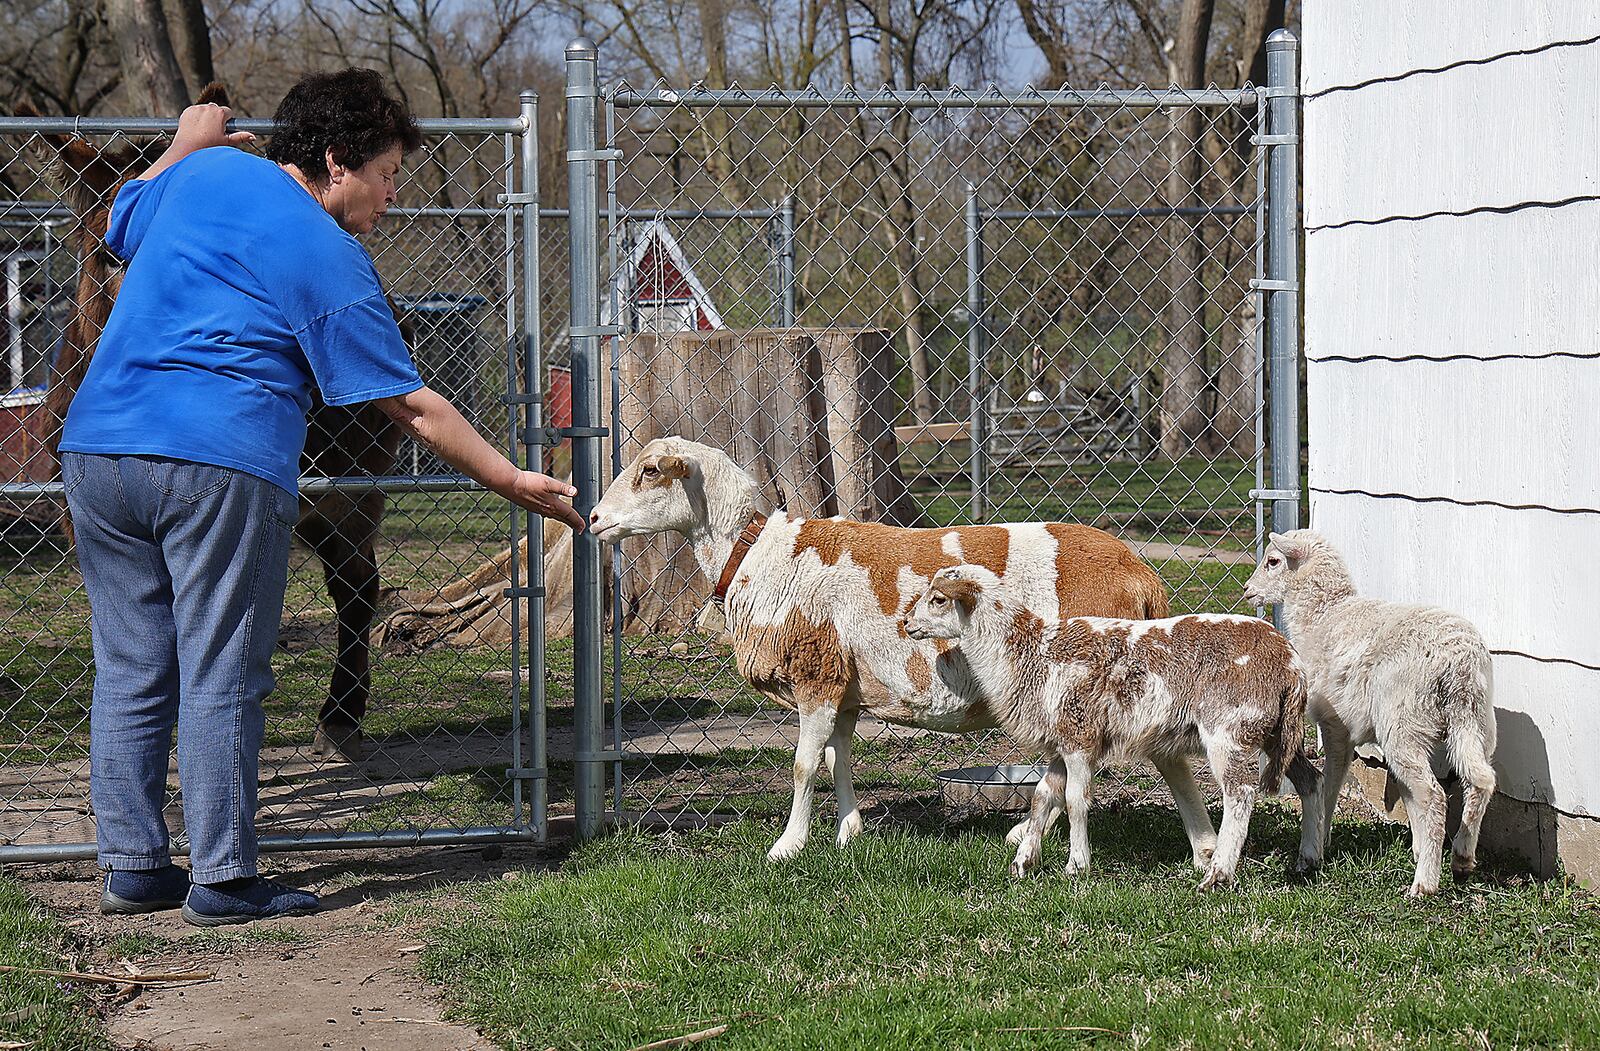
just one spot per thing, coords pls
(1537, 833)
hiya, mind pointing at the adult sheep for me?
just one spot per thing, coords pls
(815, 608)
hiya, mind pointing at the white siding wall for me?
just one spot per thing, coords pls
(1452, 327)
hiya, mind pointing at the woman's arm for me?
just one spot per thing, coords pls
(433, 421)
(198, 127)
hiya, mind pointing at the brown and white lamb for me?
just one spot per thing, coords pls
(1091, 689)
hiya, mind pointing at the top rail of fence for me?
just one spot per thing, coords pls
(928, 98)
(167, 125)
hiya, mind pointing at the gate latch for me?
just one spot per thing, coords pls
(557, 435)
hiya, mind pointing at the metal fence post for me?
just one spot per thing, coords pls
(976, 347)
(1282, 285)
(532, 367)
(786, 260)
(583, 222)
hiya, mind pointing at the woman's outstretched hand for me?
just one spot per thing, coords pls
(542, 495)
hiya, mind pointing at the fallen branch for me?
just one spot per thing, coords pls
(1060, 1029)
(115, 979)
(683, 1041)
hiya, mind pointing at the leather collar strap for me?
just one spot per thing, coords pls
(741, 547)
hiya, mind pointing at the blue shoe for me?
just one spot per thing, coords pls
(245, 900)
(130, 892)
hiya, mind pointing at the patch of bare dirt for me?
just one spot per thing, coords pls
(346, 979)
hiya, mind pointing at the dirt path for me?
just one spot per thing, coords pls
(346, 979)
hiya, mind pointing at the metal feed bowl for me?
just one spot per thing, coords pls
(1005, 787)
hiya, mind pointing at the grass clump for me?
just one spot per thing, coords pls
(38, 1011)
(917, 938)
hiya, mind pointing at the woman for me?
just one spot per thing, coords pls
(244, 289)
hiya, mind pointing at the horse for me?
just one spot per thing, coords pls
(340, 527)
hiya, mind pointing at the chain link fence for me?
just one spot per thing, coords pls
(446, 746)
(1035, 306)
(994, 307)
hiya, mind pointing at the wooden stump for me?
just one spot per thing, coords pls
(808, 412)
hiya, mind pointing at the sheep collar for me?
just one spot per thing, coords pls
(741, 547)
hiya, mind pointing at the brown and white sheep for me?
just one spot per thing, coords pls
(1090, 689)
(815, 609)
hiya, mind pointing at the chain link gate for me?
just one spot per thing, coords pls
(454, 735)
(1059, 293)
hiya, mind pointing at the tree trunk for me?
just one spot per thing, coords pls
(805, 411)
(1261, 19)
(715, 122)
(802, 410)
(1235, 394)
(1236, 384)
(1184, 416)
(150, 72)
(191, 42)
(1050, 37)
(900, 241)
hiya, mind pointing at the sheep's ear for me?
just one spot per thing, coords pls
(963, 591)
(673, 467)
(1293, 548)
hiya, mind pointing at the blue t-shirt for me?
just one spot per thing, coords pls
(241, 293)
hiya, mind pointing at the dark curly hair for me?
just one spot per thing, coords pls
(349, 112)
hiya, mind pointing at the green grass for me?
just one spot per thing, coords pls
(461, 799)
(1201, 502)
(918, 939)
(39, 1012)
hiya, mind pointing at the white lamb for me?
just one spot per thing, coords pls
(1417, 680)
(1089, 689)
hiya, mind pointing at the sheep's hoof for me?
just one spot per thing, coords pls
(1463, 868)
(849, 828)
(1216, 879)
(1020, 829)
(1304, 868)
(1417, 890)
(785, 848)
(1075, 868)
(1202, 859)
(1019, 870)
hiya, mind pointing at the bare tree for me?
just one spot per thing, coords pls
(1235, 393)
(190, 33)
(919, 44)
(1185, 423)
(55, 55)
(149, 64)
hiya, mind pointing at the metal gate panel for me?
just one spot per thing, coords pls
(1071, 287)
(455, 729)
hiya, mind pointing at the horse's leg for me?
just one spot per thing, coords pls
(345, 543)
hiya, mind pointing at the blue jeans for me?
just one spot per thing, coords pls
(185, 565)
